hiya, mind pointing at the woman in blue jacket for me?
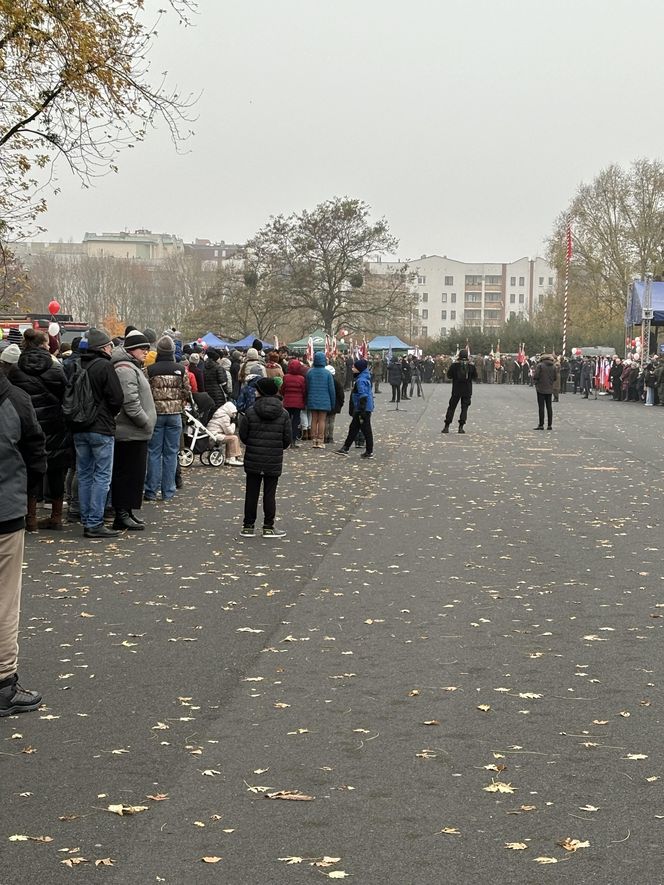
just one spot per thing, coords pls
(321, 397)
(362, 405)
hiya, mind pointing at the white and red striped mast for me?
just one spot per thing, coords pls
(568, 261)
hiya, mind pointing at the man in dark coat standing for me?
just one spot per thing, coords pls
(462, 374)
(544, 378)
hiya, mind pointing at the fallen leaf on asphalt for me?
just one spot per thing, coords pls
(516, 846)
(588, 808)
(449, 831)
(326, 861)
(431, 722)
(484, 707)
(158, 797)
(498, 787)
(573, 844)
(210, 772)
(635, 756)
(127, 809)
(544, 860)
(21, 838)
(248, 630)
(104, 862)
(211, 859)
(337, 874)
(291, 860)
(413, 693)
(290, 794)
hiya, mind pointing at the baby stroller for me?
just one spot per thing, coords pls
(197, 441)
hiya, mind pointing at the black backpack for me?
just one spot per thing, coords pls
(79, 405)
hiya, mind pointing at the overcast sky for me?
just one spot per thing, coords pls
(467, 123)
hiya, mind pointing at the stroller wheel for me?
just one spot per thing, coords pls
(216, 458)
(185, 458)
(205, 458)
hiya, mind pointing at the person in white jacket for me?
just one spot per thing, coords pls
(221, 428)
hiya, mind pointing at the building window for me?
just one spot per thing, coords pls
(453, 314)
(521, 298)
(453, 297)
(522, 281)
(473, 279)
(541, 298)
(425, 297)
(551, 281)
(443, 314)
(425, 314)
(541, 281)
(421, 281)
(491, 314)
(512, 298)
(512, 281)
(449, 281)
(424, 332)
(473, 296)
(472, 315)
(493, 297)
(492, 280)
(443, 297)
(512, 313)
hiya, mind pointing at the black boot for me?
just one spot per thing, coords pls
(178, 478)
(446, 429)
(136, 519)
(461, 430)
(123, 520)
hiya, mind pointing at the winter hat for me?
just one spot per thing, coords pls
(212, 354)
(10, 354)
(166, 345)
(151, 335)
(267, 387)
(331, 370)
(360, 365)
(252, 354)
(225, 362)
(229, 409)
(128, 330)
(463, 355)
(135, 339)
(194, 359)
(257, 344)
(256, 370)
(98, 338)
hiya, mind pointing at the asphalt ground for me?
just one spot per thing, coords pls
(461, 613)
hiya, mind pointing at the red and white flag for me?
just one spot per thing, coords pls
(364, 349)
(310, 349)
(328, 347)
(335, 349)
(276, 342)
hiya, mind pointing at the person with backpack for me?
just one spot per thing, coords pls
(171, 392)
(134, 426)
(92, 400)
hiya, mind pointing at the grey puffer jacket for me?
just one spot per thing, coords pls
(138, 416)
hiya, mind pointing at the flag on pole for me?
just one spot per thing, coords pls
(310, 349)
(364, 349)
(335, 349)
(276, 342)
(468, 348)
(328, 347)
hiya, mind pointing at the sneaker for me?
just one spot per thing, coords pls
(235, 462)
(341, 451)
(100, 531)
(273, 533)
(248, 531)
(367, 455)
(539, 427)
(14, 699)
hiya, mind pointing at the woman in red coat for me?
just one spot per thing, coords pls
(293, 390)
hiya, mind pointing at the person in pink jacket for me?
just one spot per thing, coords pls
(294, 392)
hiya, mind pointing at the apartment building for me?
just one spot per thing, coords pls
(453, 293)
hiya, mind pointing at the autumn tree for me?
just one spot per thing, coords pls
(76, 85)
(618, 234)
(315, 261)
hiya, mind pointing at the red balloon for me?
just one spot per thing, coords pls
(54, 307)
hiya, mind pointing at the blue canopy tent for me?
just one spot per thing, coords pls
(248, 340)
(388, 342)
(211, 340)
(634, 311)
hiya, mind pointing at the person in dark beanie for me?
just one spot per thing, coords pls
(22, 459)
(94, 443)
(257, 344)
(134, 425)
(171, 390)
(215, 377)
(265, 430)
(544, 378)
(461, 373)
(361, 407)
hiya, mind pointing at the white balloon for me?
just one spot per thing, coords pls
(53, 330)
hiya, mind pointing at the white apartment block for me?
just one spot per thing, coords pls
(453, 293)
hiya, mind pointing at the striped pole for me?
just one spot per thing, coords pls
(568, 259)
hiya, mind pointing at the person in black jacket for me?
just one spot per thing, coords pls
(394, 378)
(215, 378)
(22, 458)
(43, 379)
(406, 374)
(461, 373)
(94, 443)
(265, 429)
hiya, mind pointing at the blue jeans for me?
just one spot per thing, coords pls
(94, 464)
(163, 457)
